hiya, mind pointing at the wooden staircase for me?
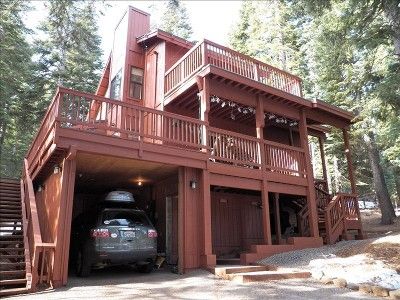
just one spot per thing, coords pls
(336, 215)
(14, 253)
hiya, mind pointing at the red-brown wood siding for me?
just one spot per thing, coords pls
(236, 222)
(48, 204)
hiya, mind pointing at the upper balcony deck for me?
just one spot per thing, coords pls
(100, 125)
(208, 53)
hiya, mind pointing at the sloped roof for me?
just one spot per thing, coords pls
(158, 34)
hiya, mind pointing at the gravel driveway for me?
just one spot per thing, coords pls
(120, 283)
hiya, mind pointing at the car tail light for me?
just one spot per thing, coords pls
(151, 233)
(100, 233)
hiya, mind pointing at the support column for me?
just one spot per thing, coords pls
(207, 258)
(181, 219)
(323, 160)
(260, 124)
(277, 219)
(311, 196)
(204, 94)
(62, 240)
(347, 151)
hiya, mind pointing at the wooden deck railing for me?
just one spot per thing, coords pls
(44, 136)
(91, 113)
(342, 207)
(207, 52)
(41, 254)
(99, 115)
(284, 159)
(234, 148)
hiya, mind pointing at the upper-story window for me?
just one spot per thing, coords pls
(136, 83)
(115, 88)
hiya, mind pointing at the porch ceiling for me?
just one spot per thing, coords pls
(104, 172)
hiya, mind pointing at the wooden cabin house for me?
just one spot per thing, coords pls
(212, 143)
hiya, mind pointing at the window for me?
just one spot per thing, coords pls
(115, 89)
(124, 218)
(136, 83)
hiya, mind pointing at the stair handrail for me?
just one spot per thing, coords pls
(320, 202)
(24, 225)
(334, 217)
(304, 225)
(41, 254)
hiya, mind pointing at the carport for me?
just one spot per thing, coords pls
(153, 185)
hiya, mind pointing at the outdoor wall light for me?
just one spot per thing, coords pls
(140, 183)
(57, 169)
(193, 184)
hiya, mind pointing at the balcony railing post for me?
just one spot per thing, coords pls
(204, 53)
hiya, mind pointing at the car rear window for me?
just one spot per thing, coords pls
(124, 218)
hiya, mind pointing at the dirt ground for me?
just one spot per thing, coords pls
(120, 283)
(389, 252)
(371, 219)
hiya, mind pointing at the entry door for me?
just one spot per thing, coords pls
(171, 230)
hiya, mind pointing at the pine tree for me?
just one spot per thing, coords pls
(18, 97)
(175, 19)
(342, 51)
(70, 53)
(352, 61)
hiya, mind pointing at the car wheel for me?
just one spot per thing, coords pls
(146, 268)
(82, 265)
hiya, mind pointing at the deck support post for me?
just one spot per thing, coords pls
(207, 257)
(204, 94)
(277, 219)
(350, 169)
(62, 240)
(311, 195)
(260, 124)
(323, 160)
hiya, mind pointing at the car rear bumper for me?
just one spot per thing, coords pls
(124, 257)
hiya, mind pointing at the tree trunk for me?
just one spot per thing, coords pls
(381, 190)
(396, 173)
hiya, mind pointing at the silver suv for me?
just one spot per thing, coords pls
(118, 235)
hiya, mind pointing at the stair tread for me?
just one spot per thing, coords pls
(22, 256)
(12, 281)
(11, 242)
(12, 272)
(14, 249)
(14, 291)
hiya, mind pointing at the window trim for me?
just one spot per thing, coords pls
(135, 83)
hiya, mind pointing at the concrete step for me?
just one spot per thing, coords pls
(267, 276)
(222, 271)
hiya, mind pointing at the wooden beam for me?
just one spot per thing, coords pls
(323, 160)
(207, 258)
(311, 195)
(265, 214)
(66, 205)
(277, 219)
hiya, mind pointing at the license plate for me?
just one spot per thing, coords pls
(129, 234)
